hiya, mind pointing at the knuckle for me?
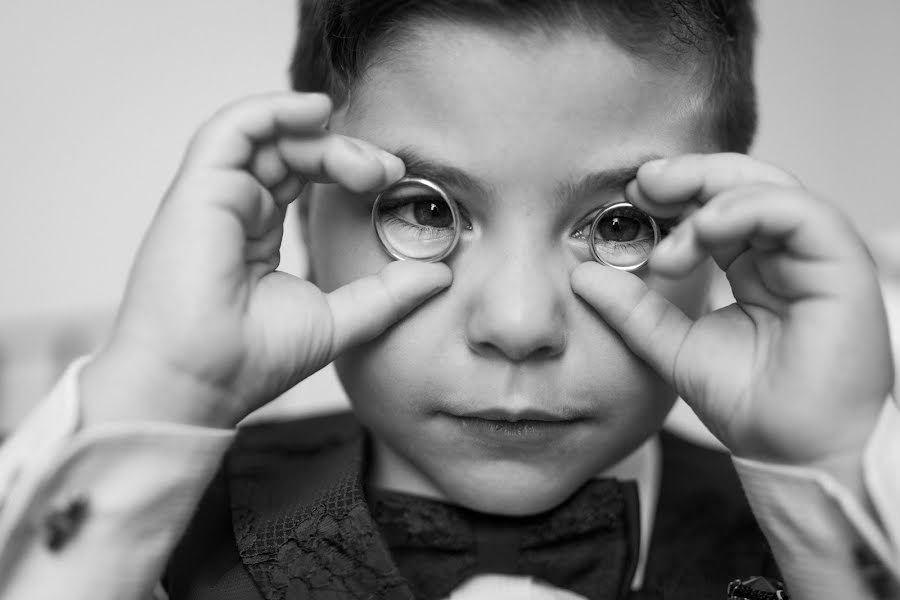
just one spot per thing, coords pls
(646, 314)
(226, 114)
(392, 302)
(207, 187)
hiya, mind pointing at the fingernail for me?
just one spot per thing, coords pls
(392, 164)
(654, 166)
(446, 280)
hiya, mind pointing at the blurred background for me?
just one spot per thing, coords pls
(99, 97)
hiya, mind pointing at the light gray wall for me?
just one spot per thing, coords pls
(829, 86)
(97, 101)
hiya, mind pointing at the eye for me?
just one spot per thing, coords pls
(415, 219)
(425, 211)
(620, 228)
(621, 236)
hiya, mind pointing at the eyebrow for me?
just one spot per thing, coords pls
(606, 181)
(419, 166)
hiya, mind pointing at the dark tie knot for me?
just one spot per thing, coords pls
(587, 544)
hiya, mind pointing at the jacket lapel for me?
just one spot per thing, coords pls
(705, 534)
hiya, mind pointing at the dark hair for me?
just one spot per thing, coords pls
(337, 38)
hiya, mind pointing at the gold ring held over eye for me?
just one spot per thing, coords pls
(627, 211)
(396, 215)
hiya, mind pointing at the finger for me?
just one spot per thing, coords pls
(771, 217)
(273, 173)
(230, 137)
(268, 167)
(395, 167)
(287, 191)
(365, 308)
(331, 158)
(277, 136)
(678, 252)
(760, 217)
(669, 183)
(651, 326)
(683, 251)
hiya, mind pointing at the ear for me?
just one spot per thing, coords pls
(339, 114)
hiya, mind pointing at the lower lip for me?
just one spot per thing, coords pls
(524, 432)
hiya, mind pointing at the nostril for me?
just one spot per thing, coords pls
(546, 351)
(517, 352)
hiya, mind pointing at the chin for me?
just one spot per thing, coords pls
(511, 491)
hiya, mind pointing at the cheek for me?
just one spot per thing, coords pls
(397, 380)
(341, 241)
(401, 362)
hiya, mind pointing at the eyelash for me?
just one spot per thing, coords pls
(464, 215)
(421, 232)
(665, 225)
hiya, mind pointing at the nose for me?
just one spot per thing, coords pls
(517, 308)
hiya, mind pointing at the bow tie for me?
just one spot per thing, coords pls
(587, 545)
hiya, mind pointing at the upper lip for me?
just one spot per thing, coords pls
(497, 414)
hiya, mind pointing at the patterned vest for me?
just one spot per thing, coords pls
(286, 519)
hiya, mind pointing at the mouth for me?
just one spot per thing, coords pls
(535, 415)
(522, 427)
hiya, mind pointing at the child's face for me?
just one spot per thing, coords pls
(525, 118)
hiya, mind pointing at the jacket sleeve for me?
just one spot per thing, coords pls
(828, 542)
(94, 512)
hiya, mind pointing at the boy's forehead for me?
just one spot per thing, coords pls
(501, 104)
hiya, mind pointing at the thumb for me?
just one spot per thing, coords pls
(365, 308)
(649, 324)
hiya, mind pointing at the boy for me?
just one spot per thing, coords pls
(501, 380)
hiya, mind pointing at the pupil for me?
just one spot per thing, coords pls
(619, 229)
(432, 214)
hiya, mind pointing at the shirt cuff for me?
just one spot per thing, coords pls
(825, 541)
(116, 494)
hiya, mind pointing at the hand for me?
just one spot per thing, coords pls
(797, 369)
(209, 330)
